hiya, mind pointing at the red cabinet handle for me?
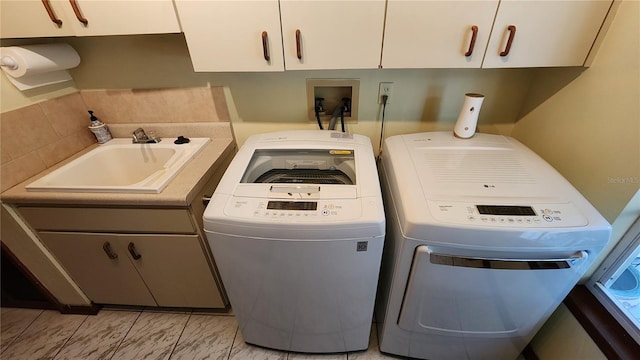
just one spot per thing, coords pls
(265, 46)
(109, 251)
(52, 15)
(472, 44)
(512, 33)
(133, 252)
(298, 45)
(76, 10)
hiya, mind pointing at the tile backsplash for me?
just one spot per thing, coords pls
(157, 105)
(39, 136)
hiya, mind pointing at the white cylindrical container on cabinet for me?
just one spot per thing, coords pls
(468, 119)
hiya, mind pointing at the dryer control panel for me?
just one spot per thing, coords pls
(507, 215)
(294, 210)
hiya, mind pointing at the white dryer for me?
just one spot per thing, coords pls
(296, 227)
(484, 240)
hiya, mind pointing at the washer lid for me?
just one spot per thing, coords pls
(301, 166)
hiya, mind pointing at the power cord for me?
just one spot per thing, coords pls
(318, 119)
(346, 106)
(384, 107)
(318, 109)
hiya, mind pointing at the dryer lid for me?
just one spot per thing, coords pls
(486, 182)
(485, 166)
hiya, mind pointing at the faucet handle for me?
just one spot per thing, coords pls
(152, 137)
(139, 135)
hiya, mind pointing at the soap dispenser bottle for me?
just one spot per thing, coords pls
(99, 129)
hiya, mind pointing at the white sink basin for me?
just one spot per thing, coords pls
(120, 166)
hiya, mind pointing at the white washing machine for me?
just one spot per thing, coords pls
(296, 227)
(484, 240)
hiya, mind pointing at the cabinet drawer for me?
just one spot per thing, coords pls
(171, 221)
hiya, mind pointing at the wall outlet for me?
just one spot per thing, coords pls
(385, 89)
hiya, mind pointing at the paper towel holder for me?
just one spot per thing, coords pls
(9, 62)
(32, 66)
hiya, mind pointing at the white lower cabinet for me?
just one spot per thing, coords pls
(136, 269)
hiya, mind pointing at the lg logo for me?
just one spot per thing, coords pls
(489, 186)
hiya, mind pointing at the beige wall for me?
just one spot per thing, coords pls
(39, 136)
(589, 130)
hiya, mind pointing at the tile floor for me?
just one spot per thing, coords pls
(28, 334)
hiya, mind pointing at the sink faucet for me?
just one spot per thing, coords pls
(140, 137)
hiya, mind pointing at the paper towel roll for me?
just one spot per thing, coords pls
(38, 65)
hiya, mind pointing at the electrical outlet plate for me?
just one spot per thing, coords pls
(385, 89)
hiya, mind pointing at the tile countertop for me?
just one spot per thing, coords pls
(180, 192)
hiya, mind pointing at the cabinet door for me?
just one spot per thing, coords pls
(544, 33)
(326, 34)
(436, 34)
(174, 268)
(232, 35)
(29, 18)
(122, 17)
(100, 267)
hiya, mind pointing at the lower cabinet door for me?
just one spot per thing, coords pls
(174, 268)
(100, 266)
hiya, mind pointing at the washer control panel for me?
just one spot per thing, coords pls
(294, 210)
(507, 215)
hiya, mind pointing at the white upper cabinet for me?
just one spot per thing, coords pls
(232, 35)
(123, 17)
(330, 34)
(35, 18)
(530, 33)
(278, 35)
(437, 34)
